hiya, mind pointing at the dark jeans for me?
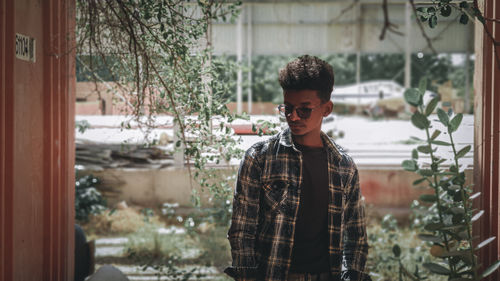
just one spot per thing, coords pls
(82, 255)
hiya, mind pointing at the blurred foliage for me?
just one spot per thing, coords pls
(162, 253)
(90, 68)
(82, 125)
(198, 239)
(266, 88)
(120, 221)
(88, 200)
(382, 263)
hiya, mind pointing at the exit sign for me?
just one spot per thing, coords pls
(25, 47)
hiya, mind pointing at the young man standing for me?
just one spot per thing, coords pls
(297, 209)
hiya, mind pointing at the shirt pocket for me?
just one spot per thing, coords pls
(274, 194)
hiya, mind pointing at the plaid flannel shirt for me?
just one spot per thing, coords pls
(265, 206)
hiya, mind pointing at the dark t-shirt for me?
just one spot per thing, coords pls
(310, 249)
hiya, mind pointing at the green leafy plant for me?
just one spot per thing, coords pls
(450, 217)
(388, 261)
(264, 127)
(88, 200)
(82, 126)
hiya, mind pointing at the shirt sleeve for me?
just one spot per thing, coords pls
(355, 239)
(242, 233)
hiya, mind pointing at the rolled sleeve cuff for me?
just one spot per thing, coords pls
(354, 275)
(242, 273)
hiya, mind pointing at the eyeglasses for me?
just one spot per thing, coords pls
(302, 112)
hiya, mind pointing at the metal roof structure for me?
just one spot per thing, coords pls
(323, 27)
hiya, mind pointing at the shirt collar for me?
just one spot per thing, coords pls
(285, 138)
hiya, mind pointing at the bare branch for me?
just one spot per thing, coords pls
(388, 26)
(345, 10)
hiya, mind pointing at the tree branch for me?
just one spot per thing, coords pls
(345, 10)
(388, 25)
(422, 30)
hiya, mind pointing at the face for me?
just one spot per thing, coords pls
(306, 127)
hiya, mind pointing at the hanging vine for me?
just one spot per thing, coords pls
(158, 54)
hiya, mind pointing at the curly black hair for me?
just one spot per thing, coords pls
(308, 73)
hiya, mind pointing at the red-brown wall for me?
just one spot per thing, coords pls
(37, 142)
(487, 134)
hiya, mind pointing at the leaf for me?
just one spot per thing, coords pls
(410, 165)
(435, 134)
(431, 106)
(436, 268)
(424, 149)
(433, 21)
(420, 121)
(461, 153)
(435, 167)
(430, 238)
(413, 97)
(455, 122)
(464, 19)
(414, 154)
(464, 5)
(456, 228)
(464, 255)
(457, 219)
(396, 250)
(453, 168)
(491, 269)
(461, 253)
(467, 260)
(422, 9)
(485, 242)
(443, 143)
(457, 210)
(477, 216)
(426, 172)
(445, 11)
(419, 181)
(440, 161)
(433, 226)
(422, 85)
(428, 198)
(443, 117)
(437, 250)
(475, 195)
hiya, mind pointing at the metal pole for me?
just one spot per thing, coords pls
(467, 83)
(408, 46)
(357, 18)
(358, 67)
(239, 55)
(179, 151)
(249, 56)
